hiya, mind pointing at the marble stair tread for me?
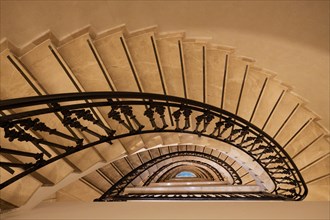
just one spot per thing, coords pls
(84, 67)
(171, 55)
(305, 138)
(170, 51)
(317, 189)
(216, 65)
(317, 170)
(117, 60)
(19, 192)
(11, 79)
(282, 113)
(238, 68)
(295, 125)
(81, 57)
(145, 175)
(254, 86)
(137, 182)
(110, 172)
(123, 166)
(314, 152)
(152, 140)
(145, 156)
(134, 160)
(248, 180)
(155, 152)
(195, 69)
(144, 54)
(111, 151)
(46, 69)
(268, 103)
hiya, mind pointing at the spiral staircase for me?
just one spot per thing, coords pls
(152, 68)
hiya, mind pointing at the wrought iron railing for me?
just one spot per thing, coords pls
(202, 196)
(114, 192)
(134, 114)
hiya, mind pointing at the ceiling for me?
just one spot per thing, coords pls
(290, 38)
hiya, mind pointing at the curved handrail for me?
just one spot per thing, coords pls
(122, 102)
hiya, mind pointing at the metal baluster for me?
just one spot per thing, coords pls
(186, 112)
(37, 125)
(127, 110)
(176, 116)
(161, 111)
(87, 115)
(115, 115)
(208, 118)
(199, 119)
(150, 114)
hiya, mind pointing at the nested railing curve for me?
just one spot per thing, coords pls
(174, 165)
(128, 114)
(115, 190)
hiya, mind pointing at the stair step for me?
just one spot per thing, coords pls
(313, 152)
(152, 140)
(43, 65)
(252, 93)
(110, 172)
(216, 65)
(317, 189)
(81, 191)
(299, 120)
(143, 50)
(169, 138)
(11, 79)
(272, 95)
(195, 65)
(238, 68)
(170, 51)
(134, 160)
(113, 50)
(85, 63)
(122, 70)
(316, 170)
(287, 106)
(311, 133)
(123, 166)
(19, 192)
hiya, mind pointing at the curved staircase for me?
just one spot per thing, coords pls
(146, 61)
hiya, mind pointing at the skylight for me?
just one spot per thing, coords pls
(185, 174)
